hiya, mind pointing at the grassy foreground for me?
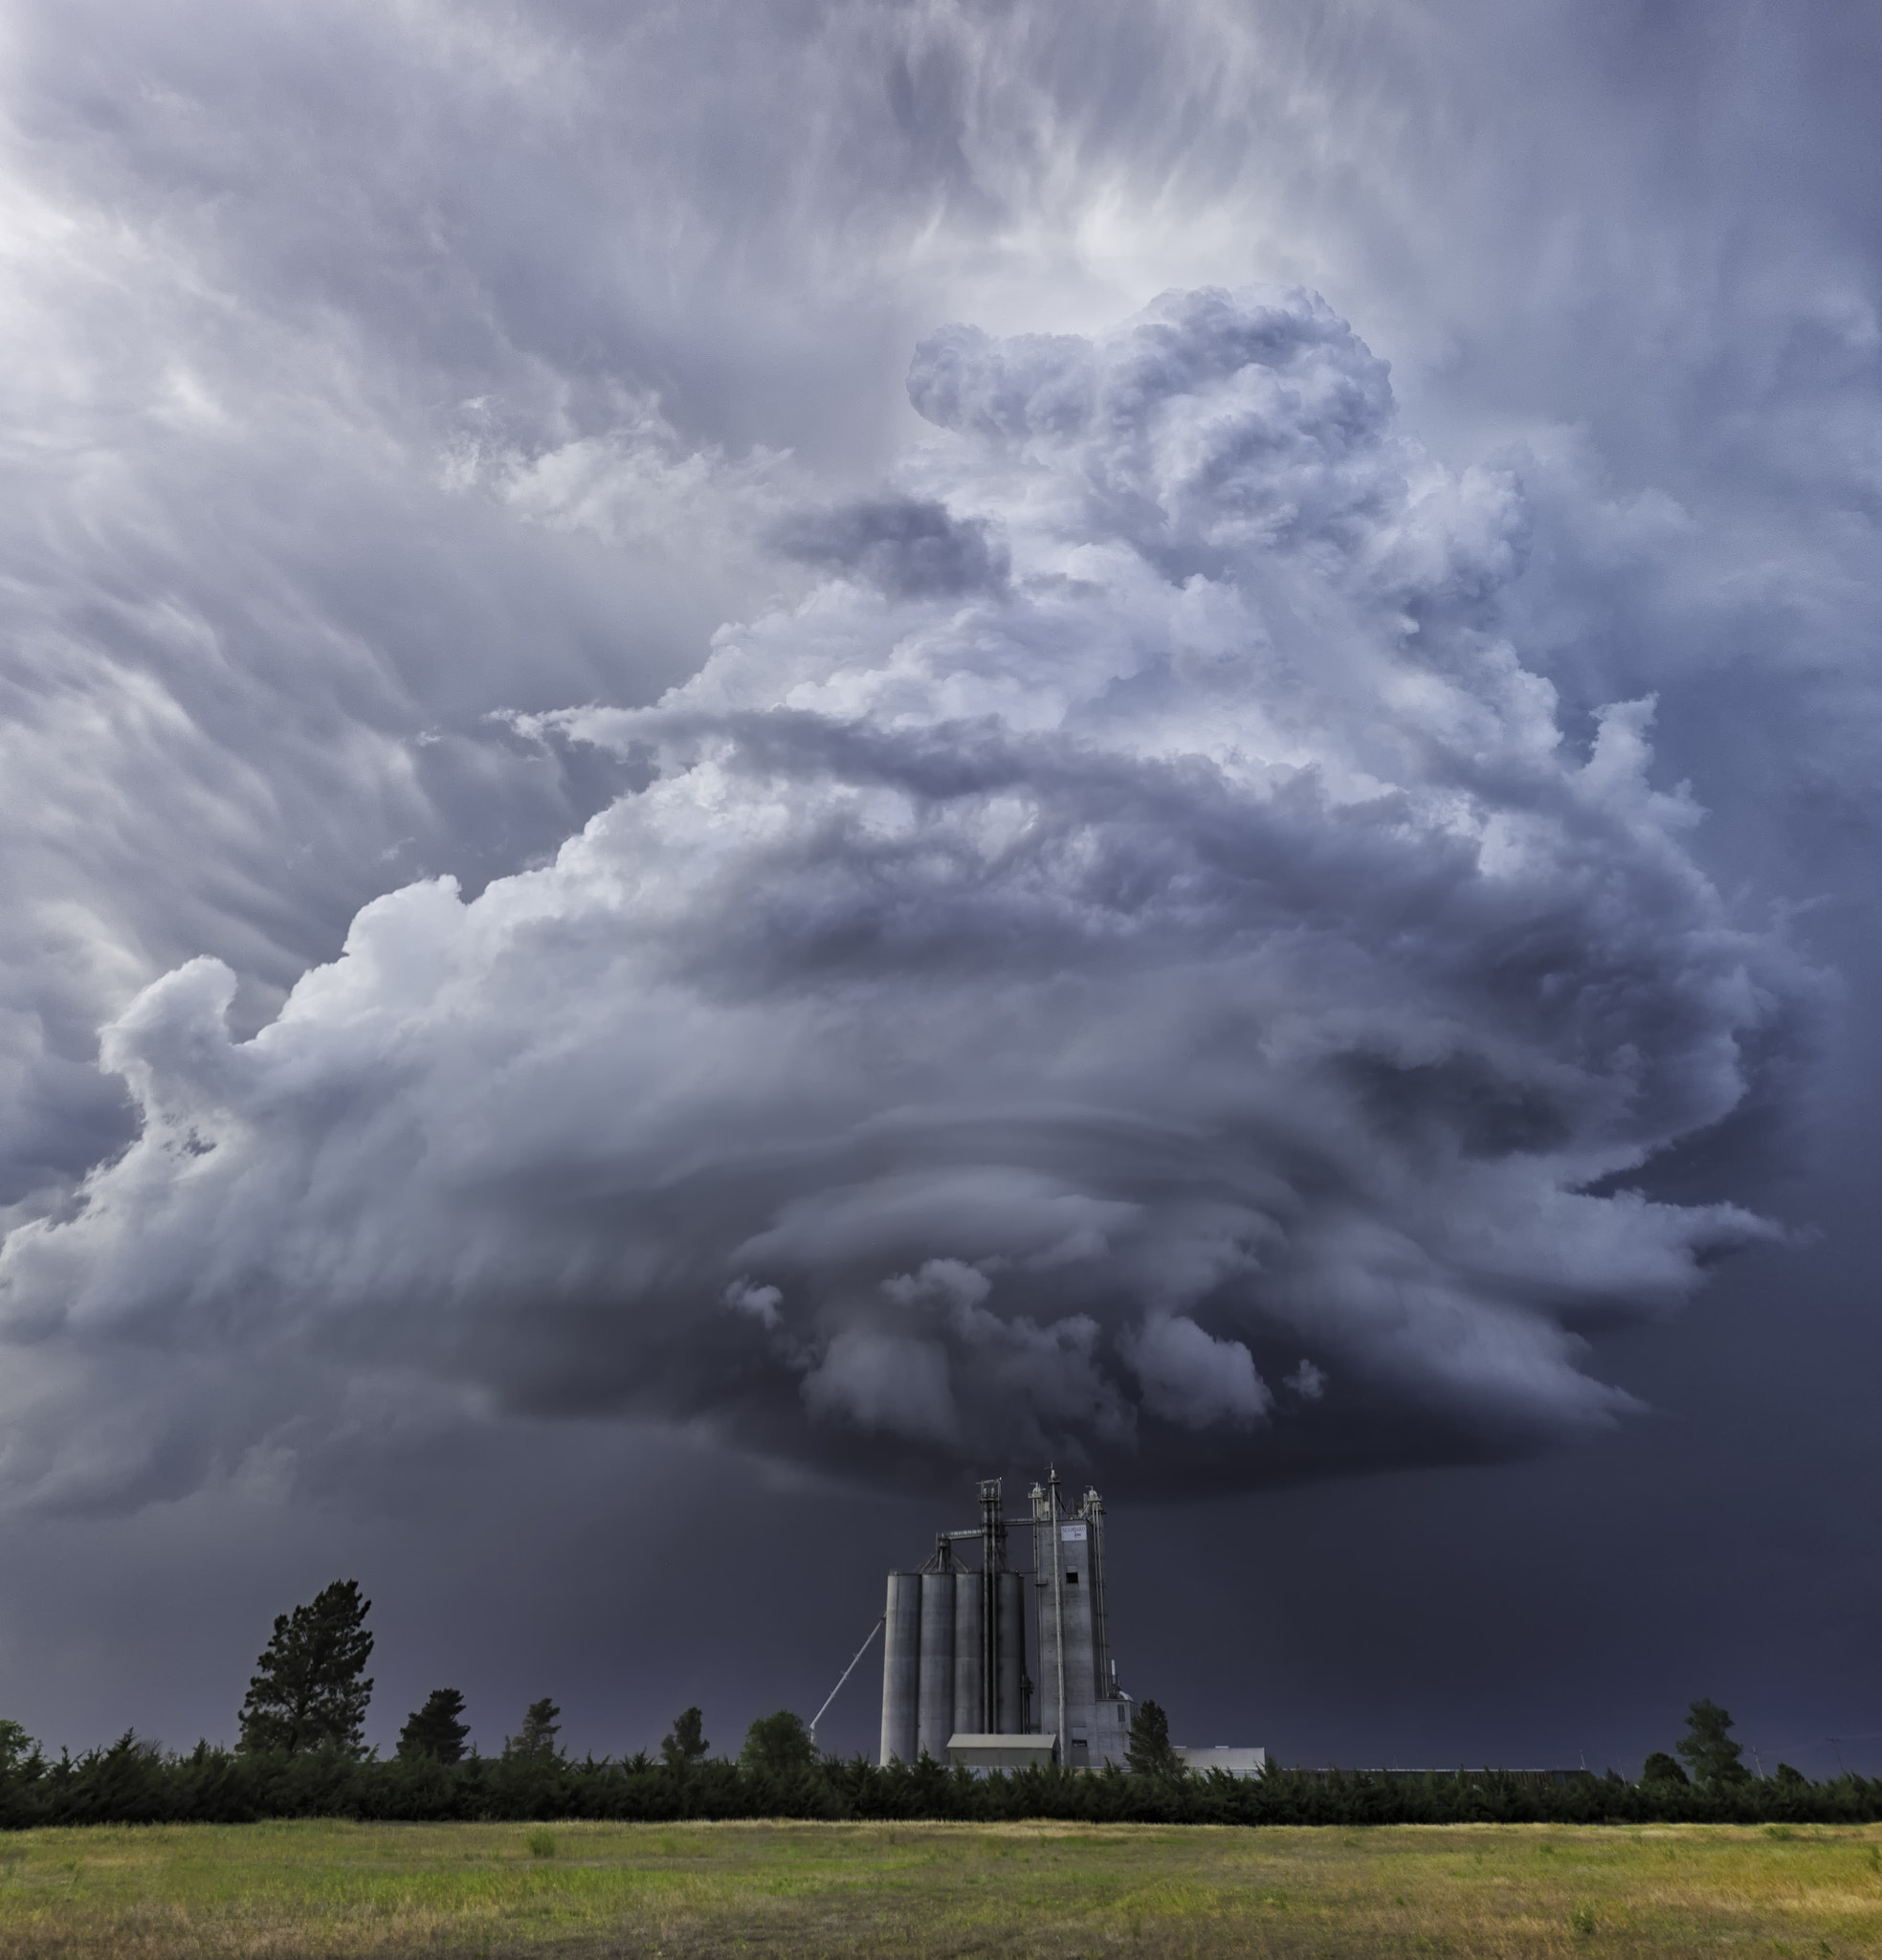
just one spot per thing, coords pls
(280, 1889)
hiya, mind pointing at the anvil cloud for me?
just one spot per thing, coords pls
(1130, 964)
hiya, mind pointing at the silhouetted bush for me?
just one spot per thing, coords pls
(130, 1782)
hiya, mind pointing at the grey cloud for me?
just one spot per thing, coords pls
(1038, 384)
(1307, 1381)
(1008, 1020)
(909, 546)
(276, 560)
(374, 369)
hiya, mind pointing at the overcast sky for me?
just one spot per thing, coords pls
(761, 756)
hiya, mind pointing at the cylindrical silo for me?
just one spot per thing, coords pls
(935, 1710)
(1009, 1641)
(902, 1659)
(1045, 1701)
(970, 1712)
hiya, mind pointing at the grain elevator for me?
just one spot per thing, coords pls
(956, 1685)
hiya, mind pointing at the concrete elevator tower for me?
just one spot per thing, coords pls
(1079, 1694)
(954, 1673)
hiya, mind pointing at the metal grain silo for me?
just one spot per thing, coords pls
(901, 1658)
(935, 1701)
(969, 1703)
(1009, 1646)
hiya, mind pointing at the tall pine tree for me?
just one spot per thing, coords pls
(308, 1691)
(1708, 1750)
(536, 1740)
(687, 1743)
(435, 1731)
(1149, 1751)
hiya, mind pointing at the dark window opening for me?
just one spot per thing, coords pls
(1072, 1578)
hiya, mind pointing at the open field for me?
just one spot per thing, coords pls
(282, 1889)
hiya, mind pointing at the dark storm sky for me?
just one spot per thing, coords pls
(761, 756)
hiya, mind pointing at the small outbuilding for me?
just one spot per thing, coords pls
(1231, 1761)
(984, 1752)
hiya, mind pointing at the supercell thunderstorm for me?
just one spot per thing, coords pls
(1130, 968)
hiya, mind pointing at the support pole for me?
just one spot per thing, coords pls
(845, 1676)
(1059, 1615)
(992, 1534)
(1104, 1670)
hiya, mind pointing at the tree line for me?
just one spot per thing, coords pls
(301, 1753)
(310, 1690)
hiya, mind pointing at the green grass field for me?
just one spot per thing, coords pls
(1057, 1890)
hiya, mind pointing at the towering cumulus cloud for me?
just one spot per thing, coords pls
(1130, 969)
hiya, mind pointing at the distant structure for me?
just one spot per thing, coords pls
(954, 1685)
(1223, 1760)
(1079, 1679)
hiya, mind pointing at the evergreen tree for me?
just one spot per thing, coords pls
(1149, 1751)
(15, 1746)
(776, 1745)
(1708, 1748)
(308, 1691)
(537, 1737)
(687, 1744)
(435, 1731)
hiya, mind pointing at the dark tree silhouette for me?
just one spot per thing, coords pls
(309, 1690)
(537, 1737)
(1149, 1751)
(1661, 1767)
(687, 1744)
(775, 1744)
(1708, 1748)
(15, 1746)
(435, 1732)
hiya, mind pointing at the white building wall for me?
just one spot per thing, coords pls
(1231, 1761)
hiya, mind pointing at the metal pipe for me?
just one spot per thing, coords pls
(1103, 1668)
(1058, 1611)
(845, 1676)
(1042, 1617)
(992, 1558)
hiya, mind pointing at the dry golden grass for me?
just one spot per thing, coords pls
(270, 1891)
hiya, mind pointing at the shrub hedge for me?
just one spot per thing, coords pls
(131, 1781)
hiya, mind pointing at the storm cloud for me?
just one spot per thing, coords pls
(1172, 930)
(1128, 967)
